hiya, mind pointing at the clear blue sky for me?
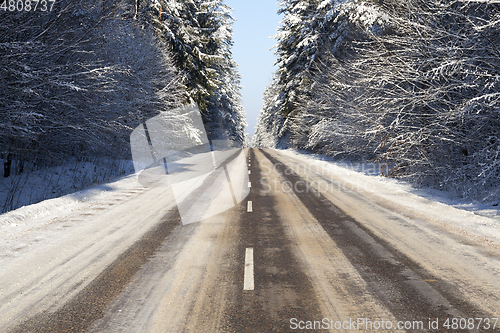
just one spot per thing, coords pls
(256, 21)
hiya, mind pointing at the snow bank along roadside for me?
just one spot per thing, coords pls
(50, 251)
(466, 218)
(53, 250)
(36, 185)
(36, 218)
(21, 228)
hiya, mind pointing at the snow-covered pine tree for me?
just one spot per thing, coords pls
(270, 121)
(309, 28)
(199, 34)
(188, 30)
(413, 83)
(225, 117)
(309, 32)
(296, 50)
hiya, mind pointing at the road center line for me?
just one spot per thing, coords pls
(248, 279)
(249, 207)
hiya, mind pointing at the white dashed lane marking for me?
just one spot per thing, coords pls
(248, 279)
(249, 207)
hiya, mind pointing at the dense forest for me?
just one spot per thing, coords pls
(411, 83)
(78, 76)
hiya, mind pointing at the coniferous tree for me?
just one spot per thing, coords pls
(199, 34)
(74, 83)
(413, 83)
(296, 50)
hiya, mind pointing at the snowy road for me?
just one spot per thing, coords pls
(310, 245)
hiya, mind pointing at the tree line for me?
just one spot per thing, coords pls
(76, 80)
(415, 84)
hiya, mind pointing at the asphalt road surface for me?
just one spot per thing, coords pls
(300, 253)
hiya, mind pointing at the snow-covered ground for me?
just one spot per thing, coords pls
(52, 182)
(477, 220)
(24, 225)
(50, 251)
(57, 246)
(73, 232)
